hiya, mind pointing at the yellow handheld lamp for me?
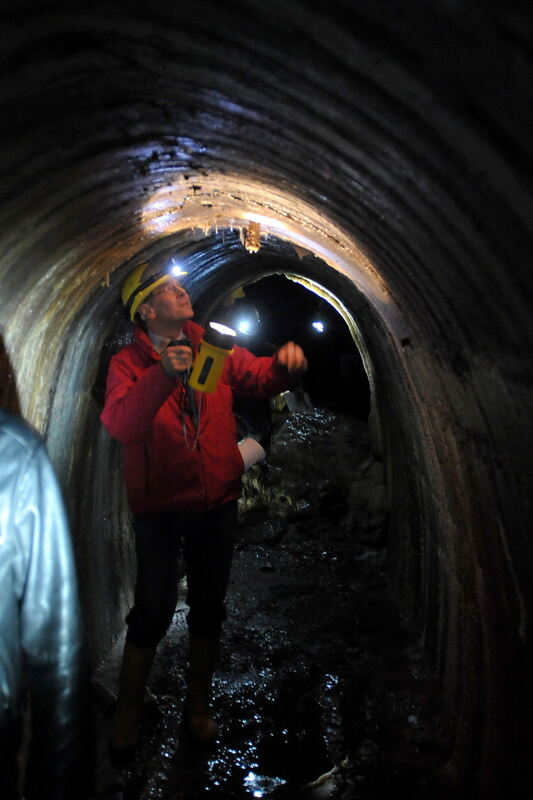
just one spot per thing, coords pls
(215, 346)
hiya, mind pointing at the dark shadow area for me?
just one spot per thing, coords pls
(287, 311)
(9, 397)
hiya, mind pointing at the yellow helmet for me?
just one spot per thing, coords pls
(138, 285)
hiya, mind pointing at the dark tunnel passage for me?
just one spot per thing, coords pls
(384, 151)
(274, 310)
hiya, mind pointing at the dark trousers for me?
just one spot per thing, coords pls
(205, 540)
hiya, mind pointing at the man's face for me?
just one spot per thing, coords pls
(168, 303)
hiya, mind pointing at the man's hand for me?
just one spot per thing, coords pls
(176, 359)
(290, 356)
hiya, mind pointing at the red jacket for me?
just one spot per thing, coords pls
(143, 410)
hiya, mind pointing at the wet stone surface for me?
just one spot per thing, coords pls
(318, 693)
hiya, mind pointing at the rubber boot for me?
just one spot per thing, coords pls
(203, 655)
(136, 665)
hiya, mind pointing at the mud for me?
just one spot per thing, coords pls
(319, 691)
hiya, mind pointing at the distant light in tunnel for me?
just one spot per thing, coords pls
(247, 325)
(318, 326)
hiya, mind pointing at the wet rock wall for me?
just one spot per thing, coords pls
(390, 141)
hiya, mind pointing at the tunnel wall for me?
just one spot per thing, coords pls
(405, 125)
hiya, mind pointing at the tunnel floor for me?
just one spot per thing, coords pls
(319, 692)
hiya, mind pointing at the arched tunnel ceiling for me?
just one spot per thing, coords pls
(344, 133)
(220, 201)
(328, 127)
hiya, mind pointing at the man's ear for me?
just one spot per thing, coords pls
(146, 310)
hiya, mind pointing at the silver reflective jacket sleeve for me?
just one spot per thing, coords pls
(41, 643)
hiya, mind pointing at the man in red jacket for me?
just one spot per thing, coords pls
(183, 472)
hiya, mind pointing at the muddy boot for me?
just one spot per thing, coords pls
(198, 717)
(136, 664)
